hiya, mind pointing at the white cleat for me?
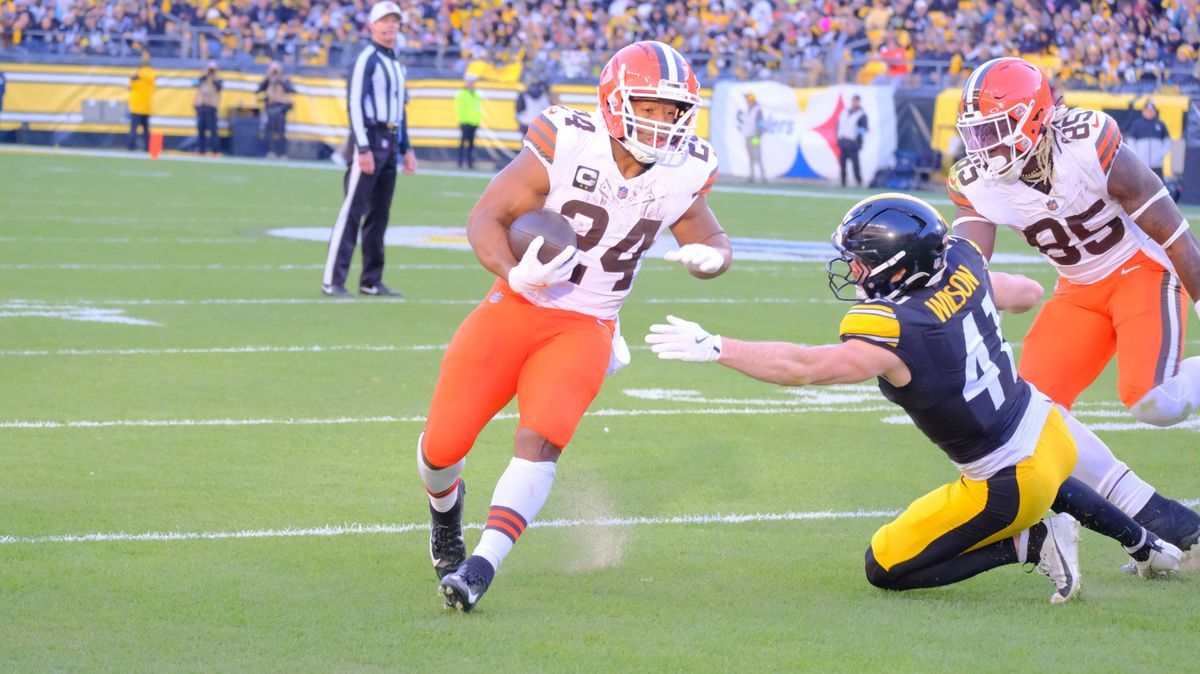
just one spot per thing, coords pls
(1059, 557)
(1164, 559)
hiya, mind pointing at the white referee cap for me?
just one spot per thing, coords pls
(382, 9)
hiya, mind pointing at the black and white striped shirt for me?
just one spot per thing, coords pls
(376, 94)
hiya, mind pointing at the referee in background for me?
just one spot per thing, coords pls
(379, 135)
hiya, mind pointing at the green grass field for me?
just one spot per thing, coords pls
(293, 527)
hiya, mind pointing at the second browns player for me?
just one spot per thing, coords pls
(1061, 178)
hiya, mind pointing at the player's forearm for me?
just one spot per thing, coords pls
(489, 240)
(1185, 257)
(1015, 293)
(773, 362)
(1165, 224)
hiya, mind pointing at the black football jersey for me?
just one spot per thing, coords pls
(965, 394)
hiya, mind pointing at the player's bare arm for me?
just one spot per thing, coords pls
(970, 225)
(1144, 198)
(1015, 293)
(850, 362)
(521, 187)
(699, 226)
(779, 363)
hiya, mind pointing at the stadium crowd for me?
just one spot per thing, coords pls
(1097, 44)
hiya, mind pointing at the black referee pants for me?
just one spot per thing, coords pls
(368, 202)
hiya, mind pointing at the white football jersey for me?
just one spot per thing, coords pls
(616, 219)
(1078, 227)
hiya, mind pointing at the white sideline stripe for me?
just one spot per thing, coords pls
(228, 349)
(345, 529)
(329, 421)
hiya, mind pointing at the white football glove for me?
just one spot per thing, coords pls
(697, 257)
(530, 274)
(683, 340)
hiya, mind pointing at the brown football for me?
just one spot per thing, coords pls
(548, 224)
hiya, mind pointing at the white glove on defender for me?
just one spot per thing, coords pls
(697, 257)
(683, 340)
(530, 274)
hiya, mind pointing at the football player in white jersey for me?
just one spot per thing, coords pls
(546, 332)
(1061, 179)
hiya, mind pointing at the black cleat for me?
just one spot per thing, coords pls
(335, 291)
(446, 546)
(378, 290)
(464, 588)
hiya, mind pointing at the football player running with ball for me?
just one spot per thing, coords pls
(546, 331)
(929, 330)
(1061, 178)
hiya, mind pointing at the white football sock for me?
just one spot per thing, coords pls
(520, 494)
(1104, 473)
(441, 483)
(1021, 541)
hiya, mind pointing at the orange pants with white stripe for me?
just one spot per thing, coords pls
(1136, 312)
(553, 361)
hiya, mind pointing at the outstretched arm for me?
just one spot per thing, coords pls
(787, 364)
(780, 363)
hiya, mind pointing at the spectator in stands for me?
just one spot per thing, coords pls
(208, 100)
(750, 123)
(276, 90)
(851, 129)
(896, 59)
(1149, 138)
(530, 103)
(468, 107)
(141, 101)
(813, 42)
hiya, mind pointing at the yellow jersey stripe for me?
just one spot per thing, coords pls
(872, 307)
(875, 327)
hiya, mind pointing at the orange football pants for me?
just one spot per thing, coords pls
(1136, 312)
(552, 360)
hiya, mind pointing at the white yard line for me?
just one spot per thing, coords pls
(748, 407)
(341, 530)
(345, 529)
(219, 350)
(329, 421)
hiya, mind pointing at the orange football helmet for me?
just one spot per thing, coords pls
(649, 70)
(1006, 103)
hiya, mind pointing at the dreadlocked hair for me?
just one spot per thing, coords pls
(1040, 166)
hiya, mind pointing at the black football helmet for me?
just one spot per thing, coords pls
(887, 233)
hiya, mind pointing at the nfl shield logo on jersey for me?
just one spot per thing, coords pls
(1052, 204)
(622, 192)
